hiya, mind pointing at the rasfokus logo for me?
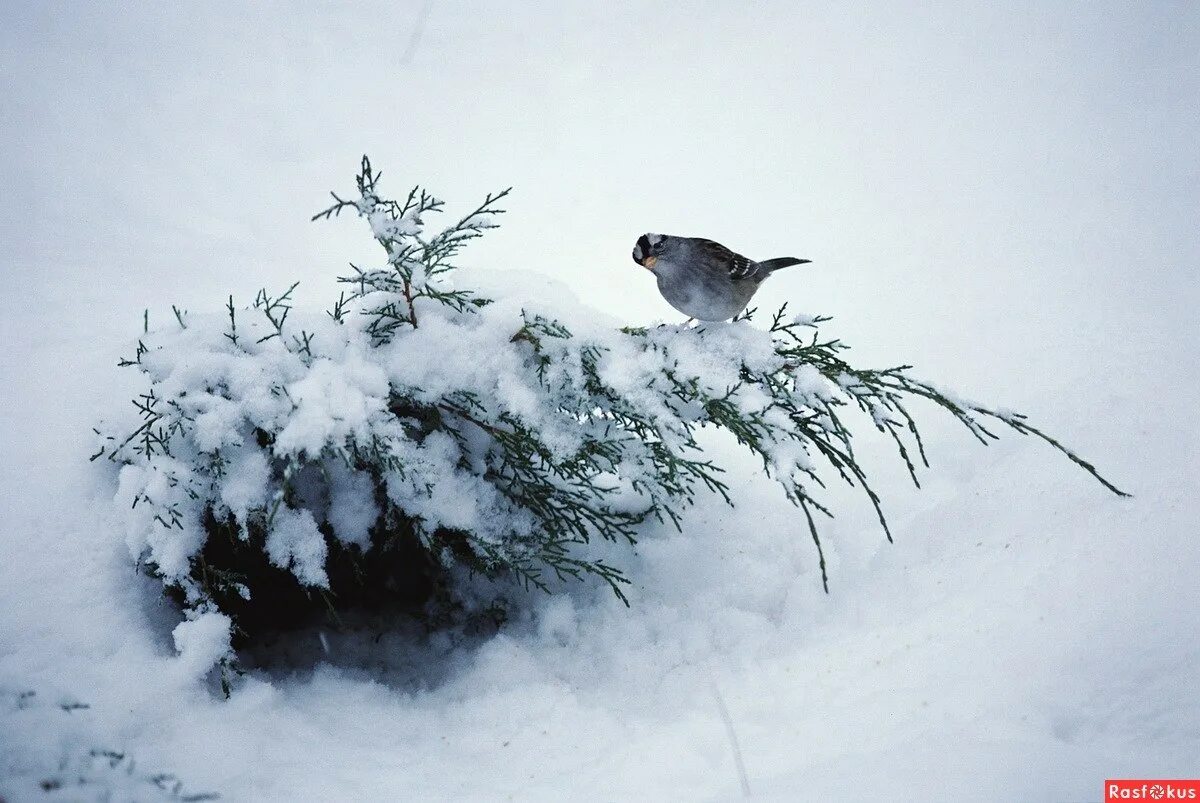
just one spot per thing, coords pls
(1144, 789)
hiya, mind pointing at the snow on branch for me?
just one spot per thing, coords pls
(421, 418)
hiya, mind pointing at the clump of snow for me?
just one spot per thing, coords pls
(295, 543)
(247, 485)
(332, 403)
(158, 515)
(201, 642)
(811, 382)
(352, 507)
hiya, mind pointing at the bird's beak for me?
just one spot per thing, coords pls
(648, 263)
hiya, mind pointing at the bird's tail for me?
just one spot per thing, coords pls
(772, 265)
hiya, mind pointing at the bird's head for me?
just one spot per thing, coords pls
(648, 249)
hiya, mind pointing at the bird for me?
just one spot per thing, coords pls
(701, 278)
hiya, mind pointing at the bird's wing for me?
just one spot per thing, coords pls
(738, 266)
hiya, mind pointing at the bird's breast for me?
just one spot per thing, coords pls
(695, 298)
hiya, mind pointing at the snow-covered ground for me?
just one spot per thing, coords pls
(1005, 196)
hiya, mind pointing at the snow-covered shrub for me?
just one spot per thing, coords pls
(288, 465)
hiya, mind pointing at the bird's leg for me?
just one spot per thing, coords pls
(689, 321)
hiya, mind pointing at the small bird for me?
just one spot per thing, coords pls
(701, 278)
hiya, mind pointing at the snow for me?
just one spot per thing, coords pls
(170, 545)
(201, 641)
(1008, 201)
(809, 381)
(295, 543)
(352, 508)
(333, 402)
(246, 487)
